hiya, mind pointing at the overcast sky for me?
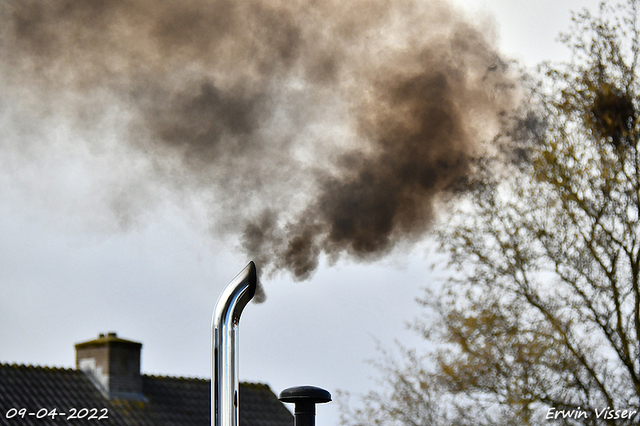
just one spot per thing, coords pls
(70, 268)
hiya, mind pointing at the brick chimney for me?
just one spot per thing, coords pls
(113, 364)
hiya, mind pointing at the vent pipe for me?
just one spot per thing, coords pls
(305, 399)
(224, 346)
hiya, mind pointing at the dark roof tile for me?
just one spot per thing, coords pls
(169, 401)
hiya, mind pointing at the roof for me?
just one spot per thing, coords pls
(169, 401)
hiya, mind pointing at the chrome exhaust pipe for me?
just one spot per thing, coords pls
(224, 346)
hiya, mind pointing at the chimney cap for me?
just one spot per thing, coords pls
(110, 337)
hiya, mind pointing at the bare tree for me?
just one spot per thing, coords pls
(538, 320)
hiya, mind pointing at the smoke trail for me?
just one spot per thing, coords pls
(317, 128)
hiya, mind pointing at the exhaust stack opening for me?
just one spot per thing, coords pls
(224, 346)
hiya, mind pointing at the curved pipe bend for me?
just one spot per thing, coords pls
(224, 346)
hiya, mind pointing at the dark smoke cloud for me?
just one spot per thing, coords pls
(314, 128)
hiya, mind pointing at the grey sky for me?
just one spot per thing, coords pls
(70, 268)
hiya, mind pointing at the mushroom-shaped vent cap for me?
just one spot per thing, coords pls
(305, 394)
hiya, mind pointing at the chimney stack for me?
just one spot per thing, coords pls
(113, 364)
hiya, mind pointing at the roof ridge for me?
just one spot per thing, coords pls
(203, 379)
(148, 375)
(35, 367)
(163, 376)
(256, 384)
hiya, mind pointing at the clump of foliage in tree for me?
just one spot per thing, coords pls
(540, 312)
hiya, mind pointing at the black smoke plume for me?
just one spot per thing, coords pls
(311, 128)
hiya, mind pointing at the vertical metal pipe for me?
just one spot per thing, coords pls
(224, 346)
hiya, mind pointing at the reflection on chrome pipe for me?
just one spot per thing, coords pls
(224, 346)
